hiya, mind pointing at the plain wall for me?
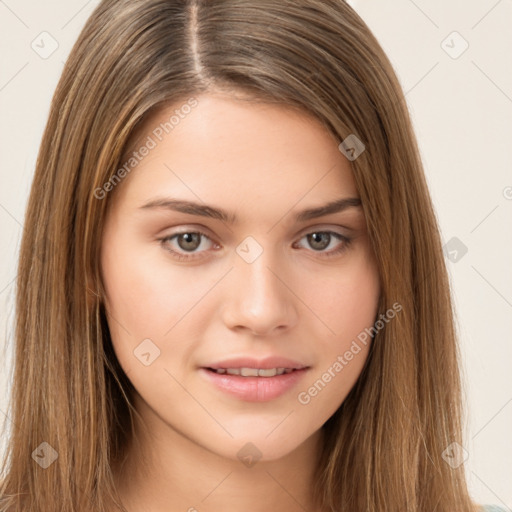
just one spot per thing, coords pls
(461, 107)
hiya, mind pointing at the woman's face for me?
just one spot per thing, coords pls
(268, 283)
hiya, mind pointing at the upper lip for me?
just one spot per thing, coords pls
(251, 362)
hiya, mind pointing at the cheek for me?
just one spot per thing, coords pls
(347, 305)
(347, 300)
(141, 309)
(151, 299)
(146, 294)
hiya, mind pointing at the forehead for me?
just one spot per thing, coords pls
(229, 148)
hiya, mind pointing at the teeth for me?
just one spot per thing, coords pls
(271, 372)
(254, 372)
(250, 372)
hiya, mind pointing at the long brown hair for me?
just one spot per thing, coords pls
(384, 445)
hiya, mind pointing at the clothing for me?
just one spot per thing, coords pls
(493, 508)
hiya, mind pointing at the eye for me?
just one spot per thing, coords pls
(183, 246)
(321, 240)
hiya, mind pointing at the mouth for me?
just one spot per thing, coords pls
(254, 384)
(253, 372)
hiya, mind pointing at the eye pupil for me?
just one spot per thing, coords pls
(315, 238)
(192, 241)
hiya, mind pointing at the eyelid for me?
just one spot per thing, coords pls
(191, 228)
(186, 228)
(324, 227)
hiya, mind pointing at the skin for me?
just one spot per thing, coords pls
(263, 163)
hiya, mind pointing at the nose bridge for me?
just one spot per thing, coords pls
(259, 299)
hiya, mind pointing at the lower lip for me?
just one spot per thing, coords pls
(255, 389)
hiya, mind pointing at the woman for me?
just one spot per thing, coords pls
(231, 290)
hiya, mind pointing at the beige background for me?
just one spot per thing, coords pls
(461, 103)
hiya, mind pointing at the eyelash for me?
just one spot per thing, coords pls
(346, 241)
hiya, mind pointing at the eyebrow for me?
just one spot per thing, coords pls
(193, 208)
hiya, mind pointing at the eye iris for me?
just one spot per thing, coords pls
(192, 241)
(315, 238)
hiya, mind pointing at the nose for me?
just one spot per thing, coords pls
(258, 298)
